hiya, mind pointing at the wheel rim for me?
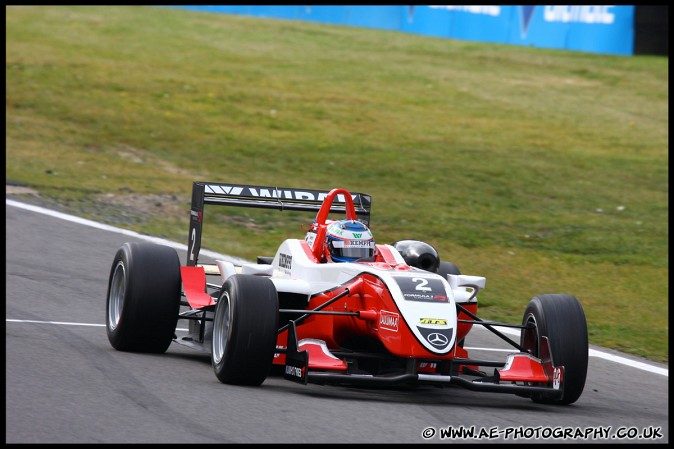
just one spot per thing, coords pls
(116, 298)
(530, 337)
(221, 328)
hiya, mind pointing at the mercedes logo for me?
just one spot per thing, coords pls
(438, 340)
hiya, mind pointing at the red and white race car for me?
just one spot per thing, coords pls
(398, 317)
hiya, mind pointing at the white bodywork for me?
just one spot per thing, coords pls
(293, 271)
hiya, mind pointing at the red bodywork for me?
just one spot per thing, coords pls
(377, 312)
(378, 318)
(374, 314)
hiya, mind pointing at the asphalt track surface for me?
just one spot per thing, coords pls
(66, 384)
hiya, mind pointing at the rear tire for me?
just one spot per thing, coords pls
(446, 268)
(562, 320)
(143, 298)
(245, 328)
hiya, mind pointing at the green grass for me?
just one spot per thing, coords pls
(545, 171)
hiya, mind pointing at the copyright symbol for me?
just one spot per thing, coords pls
(428, 433)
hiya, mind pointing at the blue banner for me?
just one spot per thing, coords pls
(590, 28)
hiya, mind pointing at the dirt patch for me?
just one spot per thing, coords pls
(115, 209)
(146, 205)
(20, 190)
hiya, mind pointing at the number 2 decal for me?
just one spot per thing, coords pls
(193, 237)
(422, 284)
(422, 289)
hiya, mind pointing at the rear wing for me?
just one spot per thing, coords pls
(265, 197)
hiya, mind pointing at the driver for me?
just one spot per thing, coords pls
(348, 241)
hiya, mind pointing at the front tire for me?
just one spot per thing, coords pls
(245, 328)
(562, 320)
(143, 298)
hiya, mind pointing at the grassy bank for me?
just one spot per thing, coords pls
(545, 171)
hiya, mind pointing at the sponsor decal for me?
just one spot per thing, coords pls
(489, 10)
(527, 12)
(285, 261)
(433, 321)
(294, 371)
(226, 190)
(422, 289)
(278, 354)
(353, 243)
(358, 244)
(556, 378)
(389, 320)
(196, 214)
(310, 237)
(261, 192)
(599, 14)
(437, 339)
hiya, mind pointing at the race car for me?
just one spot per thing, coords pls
(398, 316)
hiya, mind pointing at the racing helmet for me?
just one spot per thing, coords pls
(348, 241)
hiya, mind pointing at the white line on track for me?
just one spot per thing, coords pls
(63, 323)
(104, 227)
(600, 355)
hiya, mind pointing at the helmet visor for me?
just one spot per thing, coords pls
(352, 249)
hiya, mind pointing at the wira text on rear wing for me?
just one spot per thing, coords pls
(265, 197)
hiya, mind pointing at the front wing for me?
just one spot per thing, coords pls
(521, 374)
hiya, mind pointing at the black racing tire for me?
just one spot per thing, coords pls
(143, 299)
(245, 328)
(561, 319)
(446, 268)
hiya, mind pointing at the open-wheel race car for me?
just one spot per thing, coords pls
(382, 314)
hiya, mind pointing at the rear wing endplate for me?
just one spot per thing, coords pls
(265, 197)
